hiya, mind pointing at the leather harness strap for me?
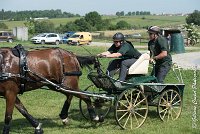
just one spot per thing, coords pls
(21, 53)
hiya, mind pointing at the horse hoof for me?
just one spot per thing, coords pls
(96, 118)
(39, 131)
(65, 121)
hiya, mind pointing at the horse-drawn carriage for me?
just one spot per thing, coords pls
(131, 101)
(31, 71)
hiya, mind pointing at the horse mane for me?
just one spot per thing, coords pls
(85, 60)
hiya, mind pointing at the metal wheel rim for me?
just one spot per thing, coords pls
(10, 40)
(57, 42)
(42, 42)
(103, 111)
(169, 105)
(133, 113)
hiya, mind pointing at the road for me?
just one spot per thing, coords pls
(187, 60)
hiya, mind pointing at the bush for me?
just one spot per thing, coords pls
(44, 26)
(3, 26)
(194, 18)
(122, 25)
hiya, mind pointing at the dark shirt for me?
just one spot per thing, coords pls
(126, 49)
(157, 46)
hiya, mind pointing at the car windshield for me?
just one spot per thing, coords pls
(41, 35)
(75, 36)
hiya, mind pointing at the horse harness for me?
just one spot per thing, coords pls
(21, 53)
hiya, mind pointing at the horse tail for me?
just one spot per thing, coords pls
(85, 60)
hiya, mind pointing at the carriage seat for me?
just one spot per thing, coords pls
(141, 65)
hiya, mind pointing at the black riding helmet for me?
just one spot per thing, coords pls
(118, 37)
(153, 29)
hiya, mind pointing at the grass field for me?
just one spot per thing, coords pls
(137, 21)
(45, 105)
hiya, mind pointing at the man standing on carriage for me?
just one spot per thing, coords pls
(159, 49)
(126, 54)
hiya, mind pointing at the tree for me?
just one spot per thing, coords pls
(133, 13)
(192, 33)
(194, 18)
(31, 26)
(44, 26)
(129, 14)
(93, 18)
(83, 25)
(71, 26)
(3, 26)
(122, 25)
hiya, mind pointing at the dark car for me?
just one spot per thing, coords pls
(66, 36)
(6, 36)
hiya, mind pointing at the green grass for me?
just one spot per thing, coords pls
(133, 21)
(45, 105)
(151, 20)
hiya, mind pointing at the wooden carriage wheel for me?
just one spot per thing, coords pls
(101, 106)
(169, 105)
(131, 109)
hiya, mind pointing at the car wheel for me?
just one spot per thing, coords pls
(42, 42)
(57, 42)
(10, 40)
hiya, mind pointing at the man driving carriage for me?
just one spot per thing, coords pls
(127, 54)
(159, 49)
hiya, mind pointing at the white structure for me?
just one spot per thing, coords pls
(21, 33)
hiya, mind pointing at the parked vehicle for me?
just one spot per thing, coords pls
(66, 36)
(45, 38)
(6, 36)
(80, 38)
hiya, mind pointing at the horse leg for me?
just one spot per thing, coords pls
(10, 101)
(90, 107)
(20, 107)
(64, 112)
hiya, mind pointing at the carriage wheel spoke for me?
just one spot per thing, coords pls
(142, 108)
(136, 118)
(127, 98)
(122, 110)
(131, 121)
(127, 119)
(171, 95)
(164, 114)
(176, 103)
(175, 113)
(139, 115)
(136, 98)
(163, 110)
(167, 97)
(162, 105)
(164, 100)
(139, 102)
(123, 104)
(131, 98)
(174, 98)
(123, 116)
(171, 114)
(168, 114)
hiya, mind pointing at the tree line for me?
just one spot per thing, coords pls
(90, 22)
(122, 13)
(26, 15)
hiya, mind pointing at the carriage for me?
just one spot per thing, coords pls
(34, 69)
(131, 101)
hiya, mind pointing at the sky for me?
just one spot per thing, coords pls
(103, 6)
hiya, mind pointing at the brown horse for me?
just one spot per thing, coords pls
(52, 64)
